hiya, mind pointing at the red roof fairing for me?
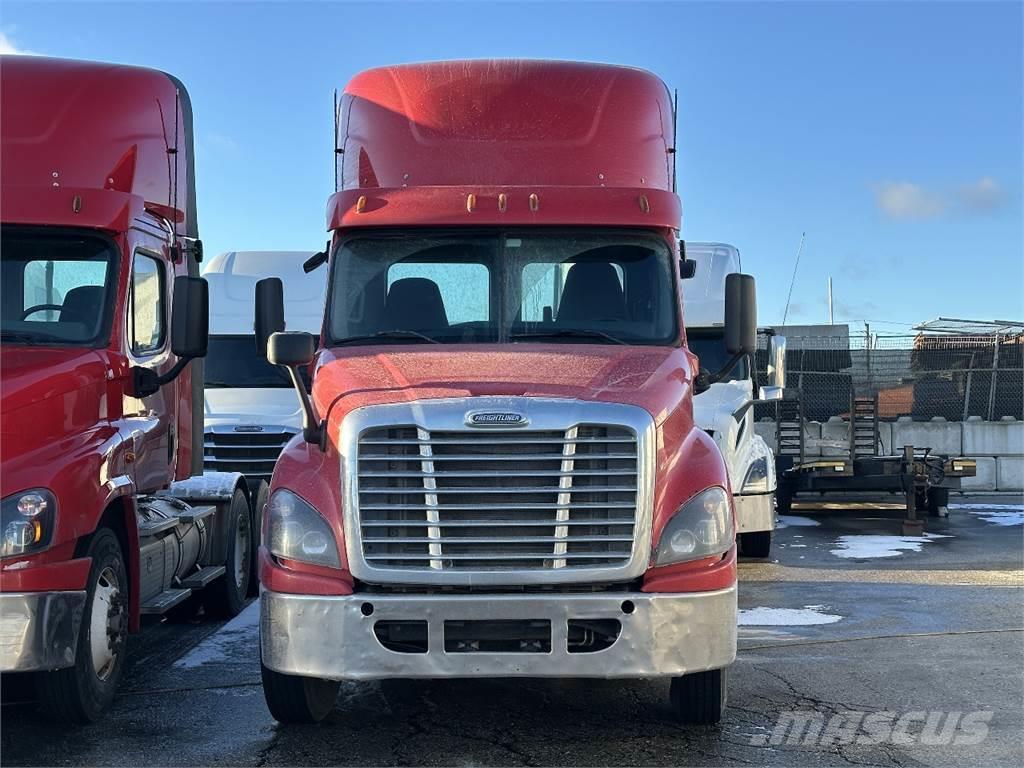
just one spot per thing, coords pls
(73, 128)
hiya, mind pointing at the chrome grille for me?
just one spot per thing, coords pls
(497, 500)
(251, 453)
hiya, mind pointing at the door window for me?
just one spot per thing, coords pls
(146, 325)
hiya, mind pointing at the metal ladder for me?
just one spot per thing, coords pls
(789, 428)
(864, 439)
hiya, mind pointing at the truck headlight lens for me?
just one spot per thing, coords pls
(701, 528)
(296, 531)
(26, 521)
(756, 480)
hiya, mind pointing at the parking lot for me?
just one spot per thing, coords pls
(847, 619)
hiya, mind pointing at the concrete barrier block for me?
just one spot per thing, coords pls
(812, 438)
(766, 429)
(985, 479)
(1010, 473)
(835, 437)
(938, 434)
(993, 438)
(885, 437)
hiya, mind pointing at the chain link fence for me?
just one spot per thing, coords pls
(920, 376)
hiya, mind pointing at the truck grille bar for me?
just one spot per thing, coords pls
(491, 500)
(251, 453)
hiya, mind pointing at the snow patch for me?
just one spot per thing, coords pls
(795, 521)
(868, 546)
(242, 628)
(787, 617)
(997, 514)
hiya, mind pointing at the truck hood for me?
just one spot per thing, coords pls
(278, 406)
(35, 374)
(654, 378)
(715, 406)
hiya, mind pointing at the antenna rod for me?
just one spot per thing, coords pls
(830, 320)
(335, 153)
(792, 282)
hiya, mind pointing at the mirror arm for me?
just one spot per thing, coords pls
(146, 381)
(313, 431)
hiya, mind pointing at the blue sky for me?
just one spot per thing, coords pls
(891, 133)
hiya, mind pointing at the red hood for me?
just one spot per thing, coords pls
(654, 378)
(34, 374)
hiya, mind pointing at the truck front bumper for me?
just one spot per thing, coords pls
(39, 630)
(755, 512)
(659, 634)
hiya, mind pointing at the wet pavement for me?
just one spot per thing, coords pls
(847, 618)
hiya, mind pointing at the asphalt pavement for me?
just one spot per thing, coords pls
(849, 623)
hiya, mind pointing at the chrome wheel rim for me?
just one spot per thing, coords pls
(106, 624)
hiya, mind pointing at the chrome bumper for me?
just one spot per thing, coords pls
(664, 635)
(39, 630)
(755, 512)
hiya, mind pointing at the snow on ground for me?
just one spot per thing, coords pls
(998, 514)
(242, 628)
(787, 617)
(869, 546)
(795, 521)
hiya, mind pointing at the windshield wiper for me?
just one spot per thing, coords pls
(396, 334)
(32, 338)
(569, 333)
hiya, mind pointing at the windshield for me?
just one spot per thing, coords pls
(57, 288)
(709, 347)
(232, 361)
(489, 287)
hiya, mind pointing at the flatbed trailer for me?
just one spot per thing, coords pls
(921, 477)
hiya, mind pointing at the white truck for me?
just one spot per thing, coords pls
(724, 409)
(250, 410)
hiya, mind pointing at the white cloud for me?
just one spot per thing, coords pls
(9, 48)
(904, 200)
(985, 194)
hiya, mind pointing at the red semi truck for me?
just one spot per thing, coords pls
(499, 473)
(105, 513)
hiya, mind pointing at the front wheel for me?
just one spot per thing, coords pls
(226, 596)
(699, 698)
(259, 500)
(756, 544)
(81, 693)
(295, 699)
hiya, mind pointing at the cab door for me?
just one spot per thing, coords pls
(150, 420)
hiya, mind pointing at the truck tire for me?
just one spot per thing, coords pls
(783, 499)
(699, 698)
(81, 693)
(227, 595)
(937, 498)
(756, 544)
(295, 699)
(259, 500)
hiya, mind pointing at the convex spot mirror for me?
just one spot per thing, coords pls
(291, 348)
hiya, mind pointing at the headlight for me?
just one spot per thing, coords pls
(296, 531)
(26, 519)
(756, 480)
(702, 527)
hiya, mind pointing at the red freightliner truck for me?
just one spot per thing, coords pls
(105, 513)
(499, 473)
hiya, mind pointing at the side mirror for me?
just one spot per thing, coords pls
(269, 317)
(740, 314)
(190, 317)
(777, 362)
(769, 394)
(291, 349)
(687, 268)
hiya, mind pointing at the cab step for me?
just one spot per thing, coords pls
(203, 576)
(166, 600)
